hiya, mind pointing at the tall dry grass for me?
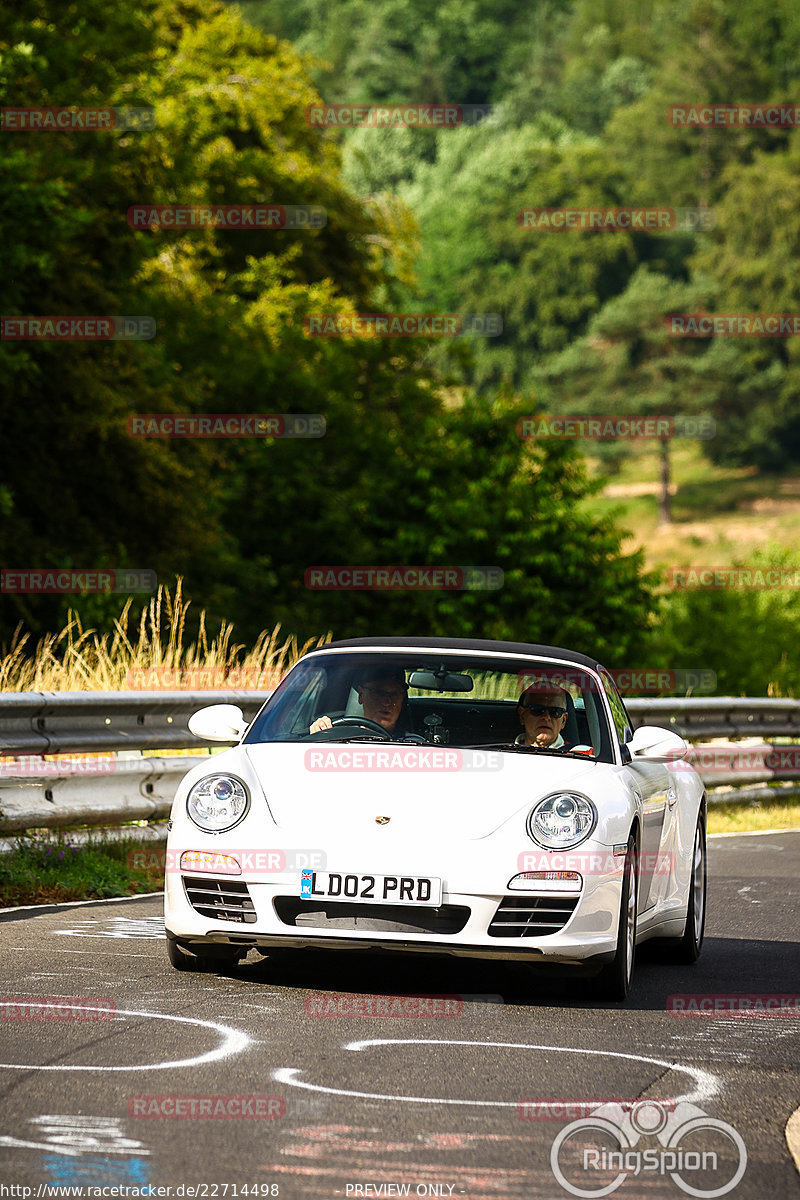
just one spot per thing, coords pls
(153, 657)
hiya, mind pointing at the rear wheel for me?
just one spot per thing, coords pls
(210, 958)
(614, 981)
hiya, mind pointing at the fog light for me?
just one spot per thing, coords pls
(546, 881)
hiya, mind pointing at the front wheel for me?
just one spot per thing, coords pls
(690, 945)
(614, 981)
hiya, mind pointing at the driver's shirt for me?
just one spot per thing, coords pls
(558, 744)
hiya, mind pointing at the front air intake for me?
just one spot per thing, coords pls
(221, 899)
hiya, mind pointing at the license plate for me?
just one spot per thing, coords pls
(375, 889)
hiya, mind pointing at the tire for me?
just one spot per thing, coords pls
(210, 959)
(614, 981)
(687, 950)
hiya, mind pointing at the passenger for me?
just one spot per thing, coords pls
(381, 693)
(543, 711)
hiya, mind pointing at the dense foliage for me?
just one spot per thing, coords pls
(420, 463)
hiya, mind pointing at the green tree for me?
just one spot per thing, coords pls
(752, 257)
(629, 364)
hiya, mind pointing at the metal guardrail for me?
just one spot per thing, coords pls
(73, 722)
(128, 787)
(719, 716)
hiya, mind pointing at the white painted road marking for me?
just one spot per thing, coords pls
(77, 1135)
(707, 1085)
(116, 927)
(234, 1041)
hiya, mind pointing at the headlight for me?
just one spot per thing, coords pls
(562, 820)
(218, 802)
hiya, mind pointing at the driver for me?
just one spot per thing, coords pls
(381, 693)
(543, 710)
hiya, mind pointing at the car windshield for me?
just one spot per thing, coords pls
(520, 705)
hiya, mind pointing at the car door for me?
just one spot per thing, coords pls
(651, 781)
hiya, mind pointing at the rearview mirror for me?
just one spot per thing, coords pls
(218, 723)
(440, 681)
(652, 744)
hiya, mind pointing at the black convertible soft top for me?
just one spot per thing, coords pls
(432, 643)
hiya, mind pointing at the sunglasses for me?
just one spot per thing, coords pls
(539, 710)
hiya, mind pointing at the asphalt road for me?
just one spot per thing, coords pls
(386, 1106)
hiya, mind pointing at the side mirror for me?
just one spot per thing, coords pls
(218, 723)
(651, 744)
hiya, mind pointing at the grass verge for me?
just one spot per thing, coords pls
(46, 870)
(754, 815)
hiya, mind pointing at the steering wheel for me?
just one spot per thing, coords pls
(373, 726)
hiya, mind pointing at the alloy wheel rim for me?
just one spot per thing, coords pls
(630, 922)
(698, 885)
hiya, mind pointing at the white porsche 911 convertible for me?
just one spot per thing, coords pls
(477, 798)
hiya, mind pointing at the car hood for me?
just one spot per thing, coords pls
(477, 796)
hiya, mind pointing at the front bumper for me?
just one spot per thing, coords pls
(590, 933)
